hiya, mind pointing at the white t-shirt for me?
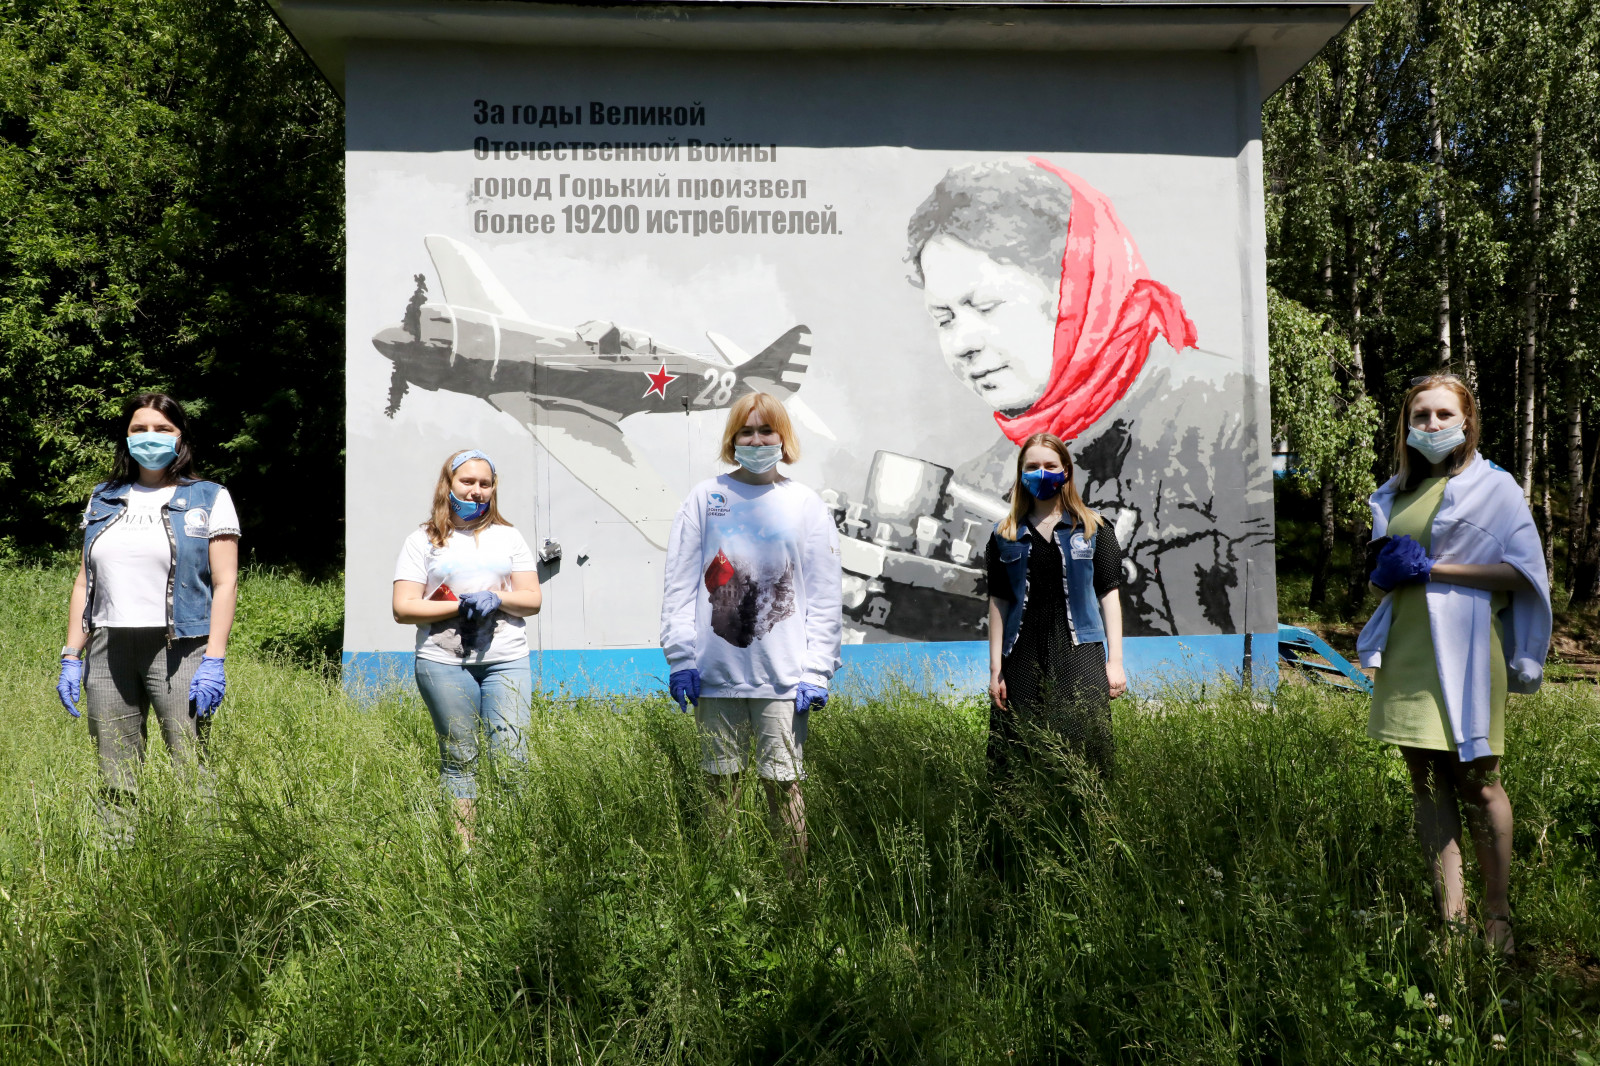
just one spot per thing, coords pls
(466, 565)
(752, 596)
(132, 559)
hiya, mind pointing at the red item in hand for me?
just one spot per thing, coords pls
(443, 593)
(719, 573)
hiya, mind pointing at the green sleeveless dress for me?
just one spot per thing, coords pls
(1407, 702)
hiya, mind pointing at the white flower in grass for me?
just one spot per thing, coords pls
(1430, 1001)
(1445, 1021)
(1498, 1041)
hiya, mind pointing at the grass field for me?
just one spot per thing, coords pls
(1245, 889)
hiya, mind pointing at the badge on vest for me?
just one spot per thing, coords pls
(1081, 548)
(197, 523)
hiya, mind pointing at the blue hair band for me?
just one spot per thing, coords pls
(472, 453)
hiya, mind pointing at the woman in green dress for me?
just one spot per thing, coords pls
(1465, 589)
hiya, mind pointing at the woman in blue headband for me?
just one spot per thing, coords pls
(466, 580)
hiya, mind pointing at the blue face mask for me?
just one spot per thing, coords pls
(1435, 446)
(468, 510)
(758, 458)
(153, 451)
(1043, 484)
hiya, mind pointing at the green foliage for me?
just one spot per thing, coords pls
(1330, 426)
(1374, 225)
(171, 182)
(1245, 889)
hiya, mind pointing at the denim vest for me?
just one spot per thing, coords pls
(189, 577)
(1077, 577)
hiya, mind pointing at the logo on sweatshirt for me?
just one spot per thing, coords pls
(719, 505)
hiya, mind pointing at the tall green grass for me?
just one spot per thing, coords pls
(1245, 888)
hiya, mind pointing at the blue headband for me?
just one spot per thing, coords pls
(472, 454)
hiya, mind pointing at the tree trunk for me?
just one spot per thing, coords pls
(1577, 527)
(1361, 532)
(1572, 380)
(1530, 327)
(1319, 576)
(1441, 245)
(1547, 526)
(1585, 578)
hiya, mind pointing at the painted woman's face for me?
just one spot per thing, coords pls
(996, 323)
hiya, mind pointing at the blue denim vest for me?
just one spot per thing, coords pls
(189, 578)
(1077, 578)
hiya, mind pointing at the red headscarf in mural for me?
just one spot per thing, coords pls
(1108, 314)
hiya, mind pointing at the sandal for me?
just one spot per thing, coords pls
(1506, 943)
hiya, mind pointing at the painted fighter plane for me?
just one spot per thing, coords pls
(572, 387)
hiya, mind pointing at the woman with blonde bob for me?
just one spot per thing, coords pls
(750, 615)
(1465, 618)
(466, 580)
(1055, 616)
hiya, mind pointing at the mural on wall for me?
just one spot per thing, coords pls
(1044, 308)
(1037, 301)
(572, 386)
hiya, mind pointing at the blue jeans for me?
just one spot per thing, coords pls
(492, 697)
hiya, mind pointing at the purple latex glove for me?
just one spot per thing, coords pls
(479, 606)
(207, 688)
(69, 686)
(809, 697)
(1401, 562)
(685, 688)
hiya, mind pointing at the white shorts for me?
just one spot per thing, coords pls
(731, 726)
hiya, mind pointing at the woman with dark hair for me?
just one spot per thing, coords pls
(1055, 617)
(1465, 618)
(154, 600)
(1046, 311)
(467, 579)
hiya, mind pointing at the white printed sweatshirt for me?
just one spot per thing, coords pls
(752, 595)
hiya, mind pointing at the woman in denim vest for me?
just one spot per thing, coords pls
(153, 604)
(1055, 619)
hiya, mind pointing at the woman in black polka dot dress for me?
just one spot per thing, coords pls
(1055, 616)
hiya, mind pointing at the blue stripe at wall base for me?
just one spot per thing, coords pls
(950, 668)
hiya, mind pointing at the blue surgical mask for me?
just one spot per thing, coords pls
(1043, 484)
(468, 510)
(1435, 446)
(153, 451)
(758, 458)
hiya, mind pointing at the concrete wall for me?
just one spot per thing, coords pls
(1180, 463)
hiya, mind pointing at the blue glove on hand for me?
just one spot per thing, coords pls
(1401, 562)
(810, 697)
(208, 687)
(478, 607)
(685, 688)
(69, 686)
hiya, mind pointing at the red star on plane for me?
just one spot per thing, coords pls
(659, 382)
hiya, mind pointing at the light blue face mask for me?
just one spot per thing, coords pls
(758, 458)
(153, 451)
(468, 510)
(1435, 446)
